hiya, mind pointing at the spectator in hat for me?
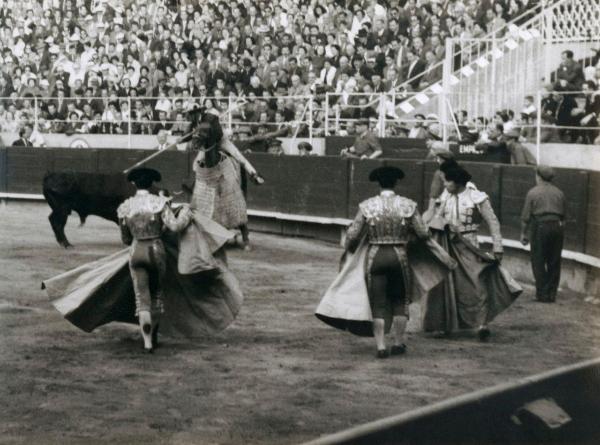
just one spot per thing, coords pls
(275, 146)
(543, 219)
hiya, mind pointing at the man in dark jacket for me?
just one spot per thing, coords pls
(570, 75)
(24, 135)
(591, 111)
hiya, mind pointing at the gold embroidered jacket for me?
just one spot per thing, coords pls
(387, 219)
(145, 216)
(465, 211)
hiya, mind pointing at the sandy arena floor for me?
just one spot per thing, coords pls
(276, 376)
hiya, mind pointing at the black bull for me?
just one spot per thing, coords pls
(86, 194)
(89, 194)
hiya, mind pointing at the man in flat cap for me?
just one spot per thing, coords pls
(275, 146)
(543, 224)
(377, 247)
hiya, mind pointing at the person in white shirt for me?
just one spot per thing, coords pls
(328, 74)
(161, 137)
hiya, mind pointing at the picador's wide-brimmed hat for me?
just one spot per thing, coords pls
(386, 174)
(144, 174)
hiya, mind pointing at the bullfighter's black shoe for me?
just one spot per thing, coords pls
(155, 336)
(382, 353)
(484, 333)
(398, 349)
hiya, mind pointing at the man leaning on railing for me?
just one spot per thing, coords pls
(366, 145)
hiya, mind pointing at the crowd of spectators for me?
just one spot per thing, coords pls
(115, 67)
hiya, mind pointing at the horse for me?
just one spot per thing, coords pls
(219, 187)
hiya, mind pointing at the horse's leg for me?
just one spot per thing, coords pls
(245, 236)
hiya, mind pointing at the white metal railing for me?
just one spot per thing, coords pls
(333, 114)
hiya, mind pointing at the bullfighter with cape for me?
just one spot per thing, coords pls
(389, 260)
(178, 268)
(478, 289)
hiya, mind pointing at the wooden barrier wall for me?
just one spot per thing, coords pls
(326, 186)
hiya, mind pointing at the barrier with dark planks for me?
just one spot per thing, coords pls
(329, 186)
(556, 407)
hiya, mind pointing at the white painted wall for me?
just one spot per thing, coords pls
(290, 145)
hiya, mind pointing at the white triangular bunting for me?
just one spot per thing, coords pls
(511, 44)
(454, 80)
(422, 98)
(436, 88)
(482, 62)
(467, 71)
(497, 53)
(525, 35)
(406, 107)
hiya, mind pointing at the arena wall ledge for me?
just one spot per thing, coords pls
(318, 196)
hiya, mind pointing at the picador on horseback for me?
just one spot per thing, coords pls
(217, 191)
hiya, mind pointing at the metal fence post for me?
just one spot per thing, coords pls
(310, 117)
(326, 113)
(447, 70)
(381, 115)
(35, 114)
(129, 122)
(229, 114)
(538, 137)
